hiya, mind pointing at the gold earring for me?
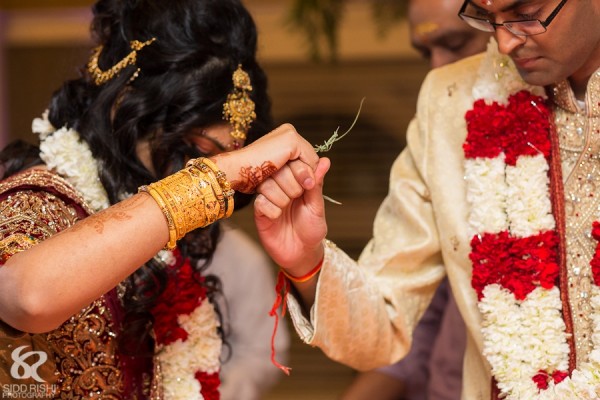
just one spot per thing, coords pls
(238, 110)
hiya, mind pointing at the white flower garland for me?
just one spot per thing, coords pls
(200, 352)
(522, 337)
(63, 151)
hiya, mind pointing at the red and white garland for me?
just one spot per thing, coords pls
(514, 248)
(188, 345)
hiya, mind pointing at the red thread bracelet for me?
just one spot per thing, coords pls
(282, 289)
(307, 276)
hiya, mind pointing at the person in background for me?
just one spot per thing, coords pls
(108, 225)
(497, 191)
(432, 370)
(439, 36)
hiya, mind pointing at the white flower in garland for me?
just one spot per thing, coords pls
(42, 126)
(486, 188)
(200, 352)
(64, 151)
(506, 321)
(529, 208)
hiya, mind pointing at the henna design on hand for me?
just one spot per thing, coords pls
(251, 177)
(118, 212)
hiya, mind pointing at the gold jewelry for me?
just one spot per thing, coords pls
(166, 212)
(192, 198)
(207, 166)
(101, 77)
(187, 200)
(239, 107)
(228, 192)
(215, 186)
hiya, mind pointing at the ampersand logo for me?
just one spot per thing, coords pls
(21, 370)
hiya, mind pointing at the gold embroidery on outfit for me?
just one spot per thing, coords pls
(156, 390)
(31, 215)
(82, 360)
(84, 347)
(580, 157)
(14, 244)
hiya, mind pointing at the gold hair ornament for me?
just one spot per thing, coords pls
(101, 77)
(238, 110)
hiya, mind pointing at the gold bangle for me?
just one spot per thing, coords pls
(187, 199)
(207, 165)
(163, 208)
(216, 188)
(228, 192)
(225, 185)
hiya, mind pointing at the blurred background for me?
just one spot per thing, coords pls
(321, 56)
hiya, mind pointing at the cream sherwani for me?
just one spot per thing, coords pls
(365, 311)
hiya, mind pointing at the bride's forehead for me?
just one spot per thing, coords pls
(222, 131)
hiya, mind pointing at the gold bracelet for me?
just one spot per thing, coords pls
(216, 189)
(163, 207)
(228, 192)
(187, 199)
(206, 165)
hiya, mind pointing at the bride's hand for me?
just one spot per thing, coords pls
(250, 166)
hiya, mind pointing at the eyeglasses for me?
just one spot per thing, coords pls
(521, 28)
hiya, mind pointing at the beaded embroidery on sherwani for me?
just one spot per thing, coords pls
(579, 150)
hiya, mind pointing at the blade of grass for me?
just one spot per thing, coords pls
(325, 147)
